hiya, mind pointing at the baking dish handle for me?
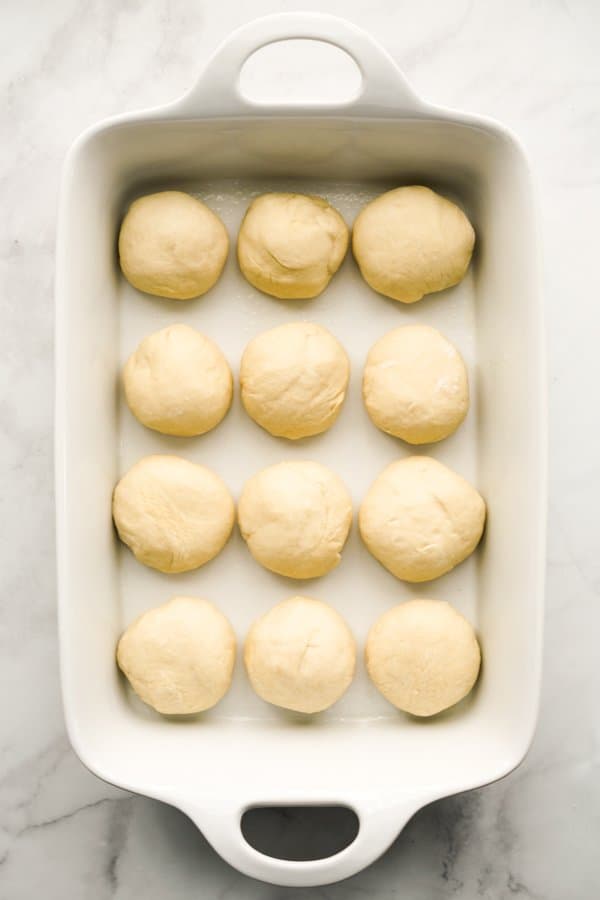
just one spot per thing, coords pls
(378, 827)
(217, 91)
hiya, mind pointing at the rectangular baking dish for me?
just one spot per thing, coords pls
(361, 753)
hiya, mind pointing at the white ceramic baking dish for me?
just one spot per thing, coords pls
(362, 753)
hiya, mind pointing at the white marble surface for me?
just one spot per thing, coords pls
(535, 66)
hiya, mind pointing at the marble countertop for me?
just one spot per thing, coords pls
(535, 67)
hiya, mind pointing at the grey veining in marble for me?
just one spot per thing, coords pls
(535, 66)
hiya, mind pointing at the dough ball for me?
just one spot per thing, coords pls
(178, 382)
(172, 245)
(420, 519)
(415, 385)
(179, 657)
(174, 515)
(410, 242)
(301, 655)
(295, 518)
(294, 379)
(290, 245)
(423, 656)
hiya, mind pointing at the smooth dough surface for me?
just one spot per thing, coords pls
(293, 379)
(423, 656)
(178, 382)
(410, 242)
(420, 519)
(174, 515)
(290, 245)
(295, 518)
(415, 385)
(179, 657)
(301, 655)
(172, 245)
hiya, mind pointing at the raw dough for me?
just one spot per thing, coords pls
(178, 382)
(179, 656)
(301, 655)
(412, 241)
(172, 245)
(415, 385)
(290, 245)
(423, 656)
(294, 379)
(420, 519)
(173, 514)
(295, 517)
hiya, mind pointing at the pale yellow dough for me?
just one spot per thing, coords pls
(290, 245)
(420, 519)
(295, 518)
(178, 382)
(293, 379)
(300, 655)
(172, 245)
(410, 242)
(423, 656)
(415, 385)
(179, 657)
(174, 515)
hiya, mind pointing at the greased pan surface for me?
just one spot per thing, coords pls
(362, 752)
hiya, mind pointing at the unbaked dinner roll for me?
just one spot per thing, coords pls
(300, 655)
(293, 379)
(420, 519)
(178, 382)
(295, 518)
(179, 657)
(290, 245)
(410, 242)
(415, 385)
(172, 245)
(174, 515)
(423, 656)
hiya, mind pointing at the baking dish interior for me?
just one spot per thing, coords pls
(362, 744)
